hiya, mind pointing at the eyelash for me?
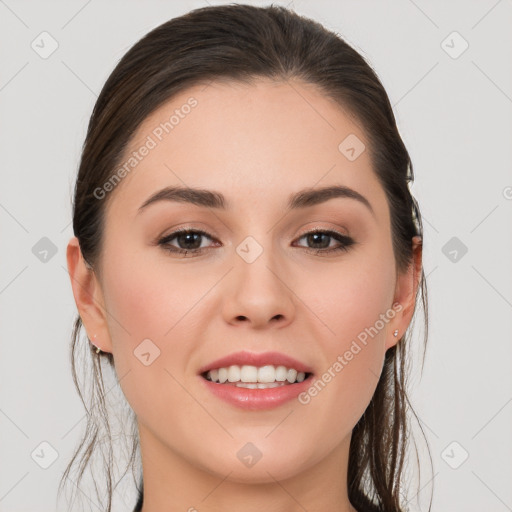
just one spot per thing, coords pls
(345, 241)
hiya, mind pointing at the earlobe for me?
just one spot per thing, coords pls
(405, 294)
(392, 338)
(88, 296)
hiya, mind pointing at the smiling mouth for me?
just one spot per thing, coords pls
(300, 377)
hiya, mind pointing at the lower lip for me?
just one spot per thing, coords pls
(257, 399)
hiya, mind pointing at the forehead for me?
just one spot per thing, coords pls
(252, 141)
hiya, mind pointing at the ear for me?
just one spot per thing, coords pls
(88, 297)
(405, 294)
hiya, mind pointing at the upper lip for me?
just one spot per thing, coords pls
(257, 359)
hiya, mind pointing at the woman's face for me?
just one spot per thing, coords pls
(260, 282)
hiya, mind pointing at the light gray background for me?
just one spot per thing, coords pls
(455, 117)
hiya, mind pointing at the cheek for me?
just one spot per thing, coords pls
(353, 302)
(148, 300)
(147, 314)
(351, 297)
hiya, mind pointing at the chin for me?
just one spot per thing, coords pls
(252, 465)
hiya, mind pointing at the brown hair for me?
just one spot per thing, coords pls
(242, 43)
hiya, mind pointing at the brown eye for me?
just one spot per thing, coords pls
(188, 240)
(319, 241)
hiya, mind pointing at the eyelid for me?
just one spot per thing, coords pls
(190, 229)
(205, 233)
(323, 230)
(344, 241)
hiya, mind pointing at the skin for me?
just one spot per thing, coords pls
(256, 144)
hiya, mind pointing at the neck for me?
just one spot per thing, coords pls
(173, 483)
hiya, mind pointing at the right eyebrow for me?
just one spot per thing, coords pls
(212, 199)
(199, 197)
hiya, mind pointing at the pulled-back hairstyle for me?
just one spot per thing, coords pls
(244, 43)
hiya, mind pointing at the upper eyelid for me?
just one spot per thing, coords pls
(202, 232)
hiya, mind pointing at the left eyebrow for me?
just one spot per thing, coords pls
(212, 199)
(313, 196)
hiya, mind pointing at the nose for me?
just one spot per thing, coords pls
(258, 294)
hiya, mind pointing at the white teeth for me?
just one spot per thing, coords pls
(248, 374)
(248, 385)
(234, 373)
(292, 374)
(253, 376)
(266, 374)
(253, 385)
(281, 373)
(269, 385)
(223, 375)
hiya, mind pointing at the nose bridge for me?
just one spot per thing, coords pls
(257, 292)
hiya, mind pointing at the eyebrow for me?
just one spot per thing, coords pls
(211, 199)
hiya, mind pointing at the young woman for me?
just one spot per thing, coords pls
(247, 260)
